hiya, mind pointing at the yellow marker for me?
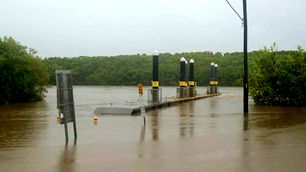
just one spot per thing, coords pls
(183, 83)
(213, 82)
(155, 83)
(191, 83)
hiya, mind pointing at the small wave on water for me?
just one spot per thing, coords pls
(230, 96)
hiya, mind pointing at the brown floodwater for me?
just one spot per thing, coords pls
(205, 135)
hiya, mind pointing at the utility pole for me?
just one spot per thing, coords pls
(245, 55)
(245, 60)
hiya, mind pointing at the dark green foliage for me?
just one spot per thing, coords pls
(23, 75)
(132, 69)
(278, 78)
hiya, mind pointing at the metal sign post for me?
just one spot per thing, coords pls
(65, 102)
(142, 106)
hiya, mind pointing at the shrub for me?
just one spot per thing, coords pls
(278, 77)
(23, 76)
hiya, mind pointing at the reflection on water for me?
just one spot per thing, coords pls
(186, 124)
(278, 117)
(22, 124)
(204, 135)
(155, 124)
(183, 119)
(142, 133)
(245, 123)
(141, 144)
(213, 103)
(191, 118)
(67, 159)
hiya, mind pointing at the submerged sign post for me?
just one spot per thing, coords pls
(65, 102)
(142, 106)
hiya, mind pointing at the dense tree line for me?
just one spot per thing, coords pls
(132, 69)
(23, 76)
(276, 77)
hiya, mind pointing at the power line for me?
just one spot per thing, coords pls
(234, 10)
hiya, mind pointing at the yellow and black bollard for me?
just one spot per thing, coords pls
(182, 83)
(155, 92)
(216, 79)
(213, 84)
(191, 83)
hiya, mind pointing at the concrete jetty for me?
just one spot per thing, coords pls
(134, 110)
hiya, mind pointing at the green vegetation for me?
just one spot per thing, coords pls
(23, 74)
(278, 78)
(132, 69)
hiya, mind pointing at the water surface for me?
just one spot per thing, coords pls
(204, 135)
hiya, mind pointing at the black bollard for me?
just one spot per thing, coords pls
(212, 72)
(155, 78)
(155, 68)
(191, 73)
(182, 72)
(182, 82)
(212, 78)
(191, 82)
(216, 79)
(186, 72)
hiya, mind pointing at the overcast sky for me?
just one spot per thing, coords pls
(112, 27)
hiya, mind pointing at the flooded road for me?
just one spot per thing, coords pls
(204, 135)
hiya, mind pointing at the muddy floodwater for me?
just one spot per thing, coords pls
(205, 135)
